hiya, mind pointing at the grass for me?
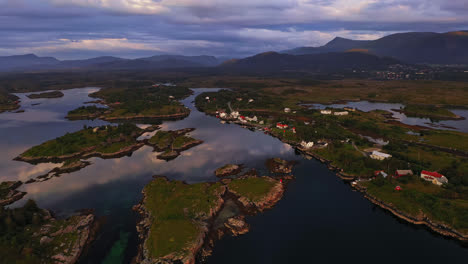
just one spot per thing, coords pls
(162, 139)
(72, 143)
(175, 208)
(421, 196)
(254, 188)
(181, 141)
(429, 111)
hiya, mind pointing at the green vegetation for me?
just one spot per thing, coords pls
(175, 209)
(21, 232)
(8, 102)
(418, 196)
(144, 101)
(53, 94)
(170, 141)
(162, 139)
(252, 188)
(428, 111)
(107, 139)
(86, 111)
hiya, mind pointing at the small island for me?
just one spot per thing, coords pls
(172, 143)
(32, 235)
(53, 94)
(429, 111)
(8, 192)
(104, 141)
(228, 170)
(8, 102)
(278, 165)
(149, 104)
(180, 221)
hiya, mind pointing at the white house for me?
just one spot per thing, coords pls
(326, 112)
(235, 114)
(207, 98)
(223, 115)
(252, 119)
(341, 113)
(287, 110)
(377, 155)
(434, 177)
(251, 100)
(307, 144)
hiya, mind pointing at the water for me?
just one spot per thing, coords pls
(366, 106)
(319, 220)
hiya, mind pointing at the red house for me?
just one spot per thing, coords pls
(281, 126)
(401, 173)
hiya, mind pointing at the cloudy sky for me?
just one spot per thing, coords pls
(70, 29)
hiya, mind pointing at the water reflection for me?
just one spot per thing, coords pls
(317, 199)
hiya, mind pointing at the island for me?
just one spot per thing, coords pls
(149, 104)
(277, 165)
(429, 111)
(53, 94)
(228, 170)
(67, 166)
(104, 141)
(8, 192)
(172, 143)
(32, 235)
(8, 102)
(180, 221)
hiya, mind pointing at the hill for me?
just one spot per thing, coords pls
(327, 62)
(414, 47)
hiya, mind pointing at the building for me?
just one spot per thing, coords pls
(207, 98)
(341, 113)
(377, 155)
(251, 100)
(252, 119)
(350, 109)
(401, 173)
(171, 97)
(326, 112)
(287, 110)
(381, 172)
(235, 114)
(281, 126)
(434, 177)
(222, 115)
(307, 145)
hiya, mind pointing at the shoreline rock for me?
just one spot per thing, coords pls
(11, 194)
(228, 170)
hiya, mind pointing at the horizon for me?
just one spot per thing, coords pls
(132, 29)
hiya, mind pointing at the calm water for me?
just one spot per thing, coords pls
(460, 125)
(319, 220)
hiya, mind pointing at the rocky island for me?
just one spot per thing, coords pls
(179, 220)
(9, 194)
(278, 165)
(8, 102)
(228, 170)
(32, 235)
(172, 143)
(53, 94)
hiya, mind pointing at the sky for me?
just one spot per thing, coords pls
(77, 29)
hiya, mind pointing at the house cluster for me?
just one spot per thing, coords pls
(329, 112)
(434, 177)
(236, 115)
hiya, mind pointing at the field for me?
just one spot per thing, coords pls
(253, 188)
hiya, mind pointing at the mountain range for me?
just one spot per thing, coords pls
(415, 47)
(31, 62)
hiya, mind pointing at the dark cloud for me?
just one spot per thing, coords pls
(135, 28)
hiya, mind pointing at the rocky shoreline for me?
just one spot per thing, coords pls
(421, 219)
(438, 228)
(9, 194)
(208, 233)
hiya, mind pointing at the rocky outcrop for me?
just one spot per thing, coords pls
(9, 194)
(228, 170)
(237, 225)
(278, 165)
(66, 168)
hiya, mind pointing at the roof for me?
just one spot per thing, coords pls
(377, 153)
(404, 172)
(433, 174)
